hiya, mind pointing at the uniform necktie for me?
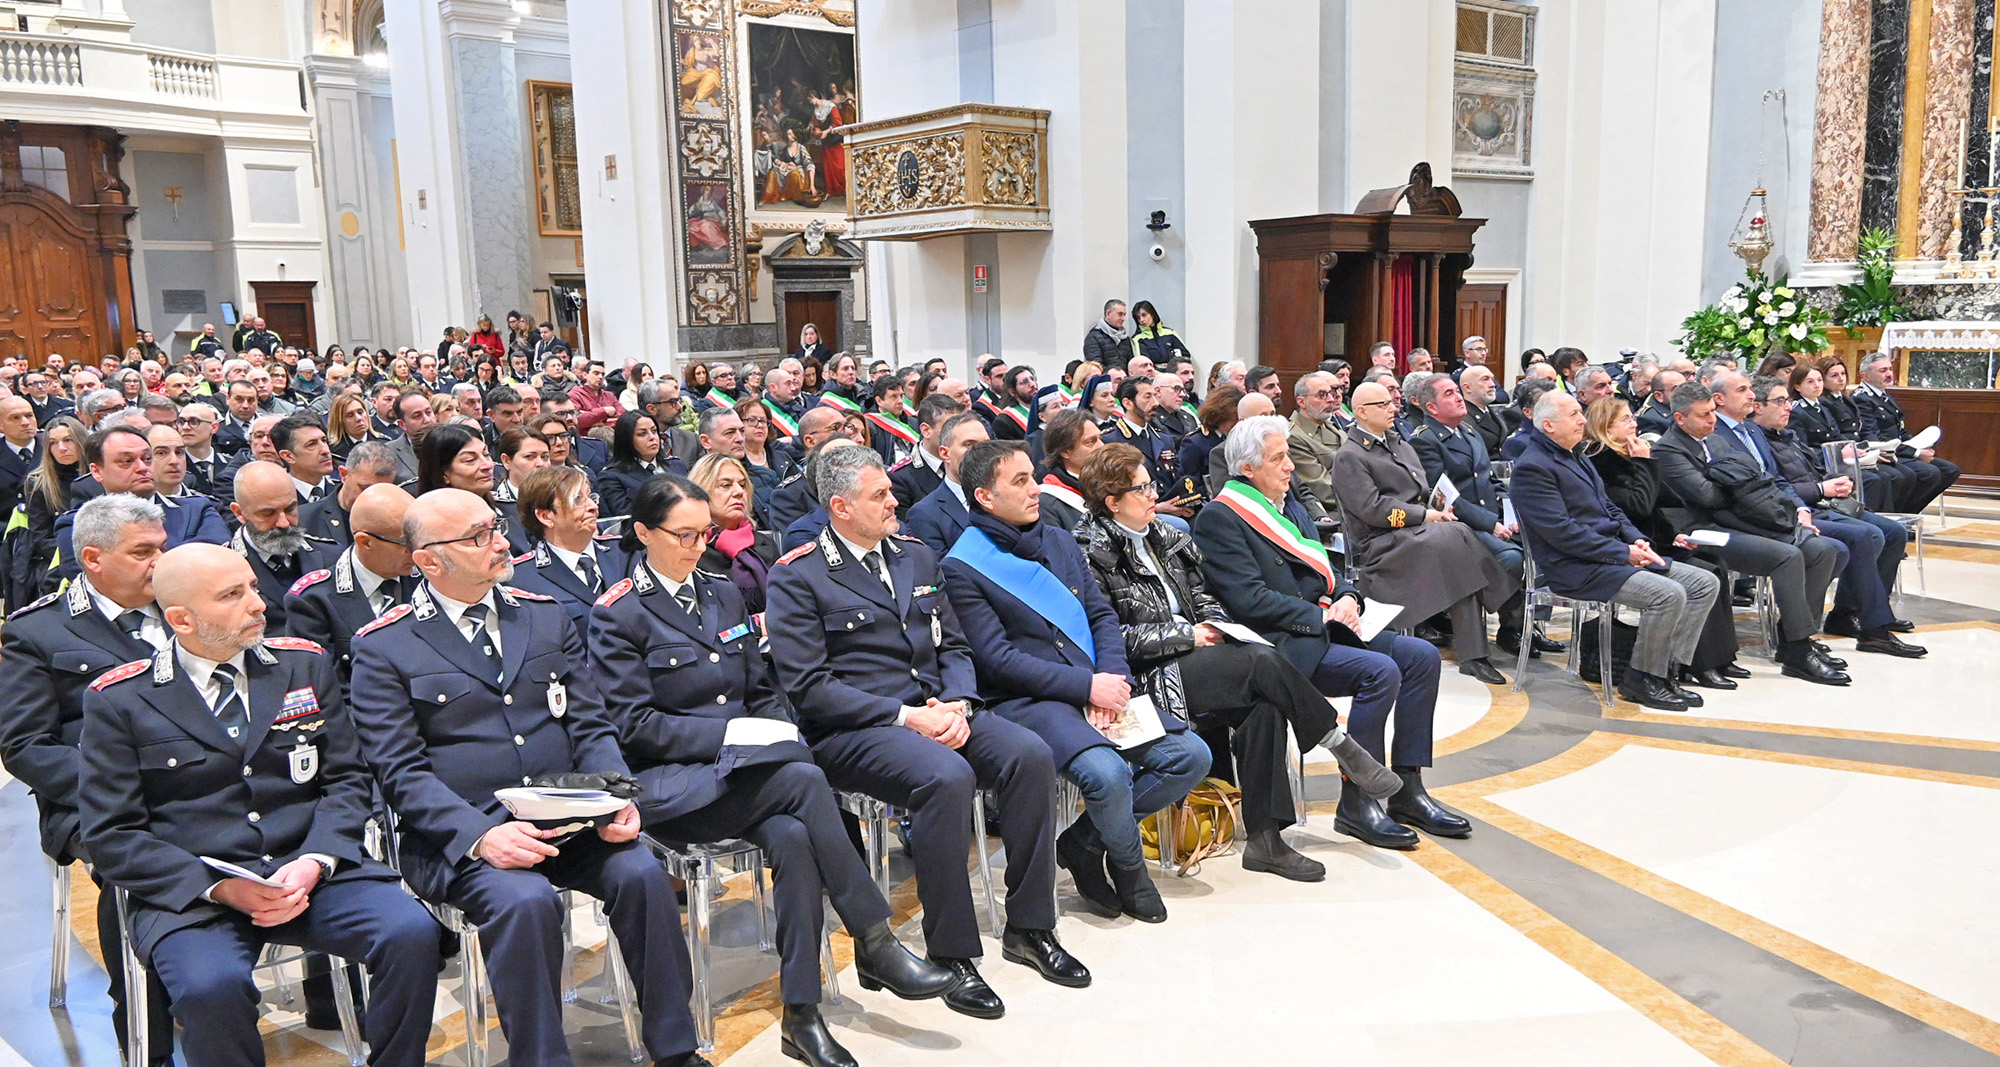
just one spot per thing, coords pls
(482, 641)
(385, 597)
(286, 567)
(685, 597)
(228, 708)
(873, 561)
(134, 624)
(591, 579)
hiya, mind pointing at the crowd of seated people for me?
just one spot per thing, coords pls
(272, 599)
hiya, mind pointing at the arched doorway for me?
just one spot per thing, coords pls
(65, 262)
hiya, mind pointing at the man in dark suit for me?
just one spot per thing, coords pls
(1882, 420)
(792, 499)
(368, 463)
(121, 459)
(475, 686)
(660, 397)
(164, 739)
(1050, 655)
(1278, 581)
(1656, 416)
(47, 400)
(415, 418)
(328, 606)
(1482, 414)
(278, 550)
(233, 436)
(197, 423)
(1586, 547)
(20, 453)
(890, 703)
(1449, 448)
(49, 651)
(1701, 468)
(940, 517)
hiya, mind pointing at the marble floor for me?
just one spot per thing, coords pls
(1791, 874)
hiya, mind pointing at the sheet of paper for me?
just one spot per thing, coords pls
(1376, 617)
(1136, 725)
(1444, 494)
(750, 732)
(1507, 515)
(1714, 538)
(1236, 631)
(233, 871)
(1925, 438)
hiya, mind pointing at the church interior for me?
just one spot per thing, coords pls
(1296, 190)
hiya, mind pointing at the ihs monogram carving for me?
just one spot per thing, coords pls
(938, 163)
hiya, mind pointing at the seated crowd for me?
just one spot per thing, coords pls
(276, 609)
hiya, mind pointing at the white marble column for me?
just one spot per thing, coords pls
(361, 222)
(628, 219)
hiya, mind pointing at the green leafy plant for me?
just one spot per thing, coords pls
(1753, 318)
(1872, 300)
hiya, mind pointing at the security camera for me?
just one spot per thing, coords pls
(1158, 252)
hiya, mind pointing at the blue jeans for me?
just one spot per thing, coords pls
(1875, 548)
(1120, 787)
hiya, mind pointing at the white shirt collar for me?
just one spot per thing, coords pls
(155, 629)
(934, 462)
(957, 490)
(371, 583)
(856, 551)
(569, 559)
(672, 587)
(201, 672)
(455, 610)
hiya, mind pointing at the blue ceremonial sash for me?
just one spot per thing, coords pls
(1030, 583)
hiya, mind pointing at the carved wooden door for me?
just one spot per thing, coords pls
(45, 287)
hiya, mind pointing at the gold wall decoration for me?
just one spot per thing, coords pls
(965, 169)
(552, 125)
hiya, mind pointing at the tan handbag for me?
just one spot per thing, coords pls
(1204, 824)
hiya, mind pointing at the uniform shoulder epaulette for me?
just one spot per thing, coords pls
(119, 674)
(609, 537)
(711, 574)
(321, 540)
(799, 551)
(44, 602)
(295, 644)
(612, 594)
(525, 595)
(901, 463)
(795, 476)
(388, 617)
(523, 558)
(310, 580)
(907, 537)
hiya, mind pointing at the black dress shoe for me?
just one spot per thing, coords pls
(1426, 632)
(1649, 691)
(1885, 642)
(1712, 678)
(1800, 662)
(881, 961)
(1731, 670)
(1509, 642)
(1081, 852)
(969, 993)
(1832, 662)
(802, 1035)
(1364, 820)
(1903, 626)
(1547, 646)
(1742, 600)
(1688, 696)
(1483, 670)
(1266, 851)
(1413, 806)
(1841, 624)
(1040, 949)
(691, 1059)
(1137, 895)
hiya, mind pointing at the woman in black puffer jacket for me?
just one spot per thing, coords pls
(1151, 573)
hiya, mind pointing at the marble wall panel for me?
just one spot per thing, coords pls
(1888, 57)
(495, 159)
(1840, 129)
(1978, 149)
(1947, 94)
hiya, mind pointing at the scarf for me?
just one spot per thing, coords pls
(1006, 536)
(1117, 333)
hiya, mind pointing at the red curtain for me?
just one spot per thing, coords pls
(1404, 334)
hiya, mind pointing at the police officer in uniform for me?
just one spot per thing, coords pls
(718, 750)
(49, 651)
(475, 686)
(228, 746)
(277, 548)
(371, 576)
(867, 645)
(570, 561)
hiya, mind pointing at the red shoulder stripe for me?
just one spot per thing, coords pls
(390, 616)
(612, 594)
(525, 595)
(309, 581)
(799, 551)
(119, 674)
(295, 644)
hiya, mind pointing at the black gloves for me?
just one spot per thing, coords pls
(617, 783)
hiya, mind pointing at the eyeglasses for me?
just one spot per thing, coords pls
(480, 538)
(1321, 394)
(194, 421)
(380, 537)
(686, 540)
(1374, 404)
(1146, 489)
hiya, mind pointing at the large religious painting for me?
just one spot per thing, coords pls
(802, 87)
(709, 240)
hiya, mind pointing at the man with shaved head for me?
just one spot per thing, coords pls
(278, 549)
(791, 500)
(475, 686)
(370, 576)
(162, 793)
(20, 453)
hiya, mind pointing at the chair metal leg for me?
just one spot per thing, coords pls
(1527, 641)
(764, 942)
(829, 975)
(138, 1006)
(1295, 770)
(1767, 616)
(1169, 838)
(1606, 616)
(875, 839)
(700, 910)
(350, 1021)
(59, 939)
(472, 966)
(1923, 587)
(1576, 638)
(985, 866)
(619, 979)
(569, 947)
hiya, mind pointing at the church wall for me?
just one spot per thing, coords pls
(1760, 45)
(183, 25)
(550, 255)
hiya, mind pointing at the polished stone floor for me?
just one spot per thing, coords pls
(1792, 874)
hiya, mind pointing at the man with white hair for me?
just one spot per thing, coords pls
(96, 404)
(1472, 352)
(270, 537)
(1585, 547)
(1262, 562)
